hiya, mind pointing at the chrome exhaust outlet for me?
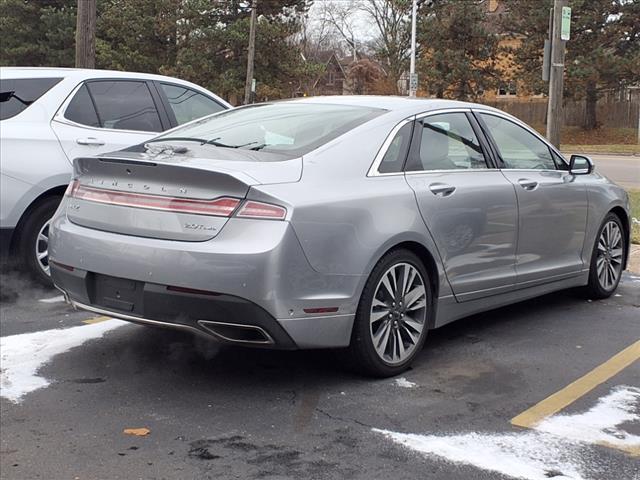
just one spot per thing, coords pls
(237, 333)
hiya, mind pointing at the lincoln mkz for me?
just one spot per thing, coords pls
(335, 222)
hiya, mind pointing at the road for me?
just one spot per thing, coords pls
(70, 388)
(622, 169)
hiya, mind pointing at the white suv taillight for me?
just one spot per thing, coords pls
(253, 209)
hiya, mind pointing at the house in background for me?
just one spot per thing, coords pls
(333, 80)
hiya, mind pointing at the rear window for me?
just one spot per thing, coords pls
(16, 94)
(291, 129)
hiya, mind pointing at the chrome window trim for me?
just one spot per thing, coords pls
(455, 170)
(521, 124)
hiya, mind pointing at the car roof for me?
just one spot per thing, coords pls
(79, 73)
(392, 103)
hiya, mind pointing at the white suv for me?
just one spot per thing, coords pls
(49, 116)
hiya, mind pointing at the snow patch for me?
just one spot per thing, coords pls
(59, 298)
(404, 383)
(601, 423)
(24, 354)
(556, 448)
(529, 455)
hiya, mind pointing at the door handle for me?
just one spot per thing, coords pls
(442, 189)
(528, 184)
(91, 141)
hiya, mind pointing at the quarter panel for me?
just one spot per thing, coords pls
(345, 229)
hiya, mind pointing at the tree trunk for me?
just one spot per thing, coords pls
(591, 121)
(86, 34)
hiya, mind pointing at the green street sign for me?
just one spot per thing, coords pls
(565, 31)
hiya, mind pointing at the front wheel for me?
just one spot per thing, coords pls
(393, 315)
(607, 258)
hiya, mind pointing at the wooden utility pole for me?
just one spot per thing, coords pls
(554, 107)
(86, 34)
(248, 85)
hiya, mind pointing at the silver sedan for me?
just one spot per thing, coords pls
(336, 222)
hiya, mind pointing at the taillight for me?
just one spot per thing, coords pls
(220, 207)
(253, 209)
(71, 188)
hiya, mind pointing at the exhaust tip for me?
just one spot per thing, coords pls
(236, 333)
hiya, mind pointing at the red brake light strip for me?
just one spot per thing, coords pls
(222, 207)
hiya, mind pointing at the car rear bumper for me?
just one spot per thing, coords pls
(253, 279)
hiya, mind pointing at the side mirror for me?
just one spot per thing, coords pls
(580, 165)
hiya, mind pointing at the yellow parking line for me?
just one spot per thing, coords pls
(96, 320)
(630, 449)
(577, 389)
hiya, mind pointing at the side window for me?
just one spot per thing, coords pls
(81, 109)
(188, 104)
(447, 142)
(125, 105)
(518, 148)
(396, 154)
(16, 94)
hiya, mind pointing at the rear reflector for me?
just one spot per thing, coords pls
(220, 207)
(321, 310)
(172, 288)
(63, 266)
(253, 209)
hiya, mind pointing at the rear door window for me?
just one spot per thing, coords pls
(187, 104)
(16, 94)
(446, 142)
(125, 105)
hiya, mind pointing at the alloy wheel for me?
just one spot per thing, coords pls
(609, 255)
(398, 313)
(42, 248)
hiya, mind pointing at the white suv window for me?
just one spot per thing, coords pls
(187, 104)
(115, 104)
(16, 94)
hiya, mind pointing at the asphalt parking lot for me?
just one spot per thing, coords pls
(72, 383)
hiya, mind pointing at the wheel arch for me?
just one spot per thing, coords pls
(57, 191)
(621, 213)
(428, 260)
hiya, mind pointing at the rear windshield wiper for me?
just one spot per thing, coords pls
(215, 143)
(177, 139)
(201, 141)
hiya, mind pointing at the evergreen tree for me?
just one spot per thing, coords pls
(602, 55)
(458, 51)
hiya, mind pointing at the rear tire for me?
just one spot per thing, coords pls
(393, 316)
(607, 258)
(34, 240)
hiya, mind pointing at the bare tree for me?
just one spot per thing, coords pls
(392, 42)
(337, 19)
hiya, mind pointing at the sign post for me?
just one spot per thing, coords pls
(560, 27)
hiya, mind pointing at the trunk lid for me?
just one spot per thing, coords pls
(170, 197)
